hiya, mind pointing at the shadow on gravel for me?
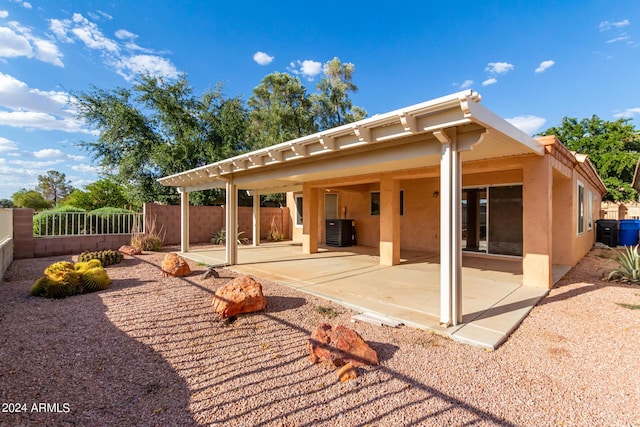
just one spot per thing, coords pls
(67, 353)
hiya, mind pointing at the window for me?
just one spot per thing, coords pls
(298, 210)
(590, 211)
(375, 203)
(580, 208)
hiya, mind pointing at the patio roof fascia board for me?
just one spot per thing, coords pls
(362, 129)
(486, 118)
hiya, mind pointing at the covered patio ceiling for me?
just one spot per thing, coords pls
(407, 138)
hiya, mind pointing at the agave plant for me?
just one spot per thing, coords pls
(629, 260)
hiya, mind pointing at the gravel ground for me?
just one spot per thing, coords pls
(149, 351)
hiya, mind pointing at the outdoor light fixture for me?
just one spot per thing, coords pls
(435, 194)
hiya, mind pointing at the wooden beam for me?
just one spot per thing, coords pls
(300, 150)
(410, 123)
(328, 142)
(363, 133)
(275, 155)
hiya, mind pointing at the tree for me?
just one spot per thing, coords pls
(280, 111)
(160, 128)
(6, 203)
(612, 146)
(102, 193)
(54, 186)
(29, 199)
(332, 106)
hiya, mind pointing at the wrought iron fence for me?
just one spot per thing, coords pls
(48, 224)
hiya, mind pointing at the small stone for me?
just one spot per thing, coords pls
(174, 265)
(129, 250)
(347, 373)
(241, 295)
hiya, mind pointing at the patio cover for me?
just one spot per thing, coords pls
(445, 131)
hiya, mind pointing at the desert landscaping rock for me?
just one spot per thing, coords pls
(129, 250)
(174, 265)
(150, 351)
(241, 295)
(338, 345)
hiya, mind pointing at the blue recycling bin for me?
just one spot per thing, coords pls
(628, 232)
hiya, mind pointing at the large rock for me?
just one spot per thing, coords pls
(241, 295)
(129, 250)
(338, 345)
(174, 265)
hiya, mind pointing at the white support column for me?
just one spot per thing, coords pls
(231, 250)
(256, 218)
(184, 220)
(450, 230)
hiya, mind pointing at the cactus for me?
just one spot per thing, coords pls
(106, 257)
(62, 279)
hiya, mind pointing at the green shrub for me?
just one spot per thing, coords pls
(111, 220)
(59, 221)
(220, 237)
(150, 240)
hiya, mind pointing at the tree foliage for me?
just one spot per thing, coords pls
(332, 104)
(280, 110)
(6, 203)
(29, 199)
(612, 146)
(160, 128)
(102, 193)
(54, 186)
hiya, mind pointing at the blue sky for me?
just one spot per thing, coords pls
(532, 64)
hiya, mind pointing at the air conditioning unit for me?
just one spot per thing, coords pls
(340, 232)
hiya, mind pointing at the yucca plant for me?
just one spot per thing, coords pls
(629, 270)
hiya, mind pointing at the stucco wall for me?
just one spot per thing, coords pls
(205, 221)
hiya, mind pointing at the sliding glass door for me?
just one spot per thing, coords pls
(492, 220)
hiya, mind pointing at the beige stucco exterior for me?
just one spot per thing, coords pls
(550, 207)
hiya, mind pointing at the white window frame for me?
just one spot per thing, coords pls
(580, 217)
(299, 215)
(589, 211)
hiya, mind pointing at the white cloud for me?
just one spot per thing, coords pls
(466, 84)
(124, 34)
(629, 113)
(607, 25)
(26, 5)
(105, 15)
(13, 44)
(16, 40)
(75, 158)
(499, 67)
(83, 167)
(48, 153)
(262, 58)
(42, 121)
(3, 13)
(527, 124)
(489, 82)
(34, 164)
(17, 95)
(308, 68)
(544, 65)
(7, 145)
(129, 67)
(120, 57)
(620, 38)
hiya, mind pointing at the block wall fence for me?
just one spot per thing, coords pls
(204, 222)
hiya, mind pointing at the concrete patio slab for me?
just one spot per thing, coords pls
(493, 300)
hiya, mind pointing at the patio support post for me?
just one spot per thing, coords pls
(450, 229)
(537, 224)
(389, 221)
(231, 250)
(309, 219)
(184, 220)
(256, 218)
